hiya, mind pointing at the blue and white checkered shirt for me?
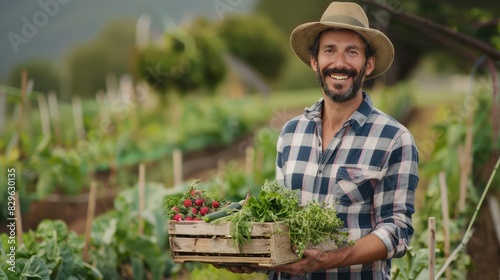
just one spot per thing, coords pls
(369, 172)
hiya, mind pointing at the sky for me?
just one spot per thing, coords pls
(47, 29)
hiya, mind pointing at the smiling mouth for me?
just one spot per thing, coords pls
(339, 77)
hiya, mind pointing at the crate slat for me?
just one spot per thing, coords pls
(197, 228)
(218, 245)
(212, 243)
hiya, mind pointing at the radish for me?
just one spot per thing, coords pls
(188, 203)
(215, 204)
(199, 201)
(204, 210)
(178, 217)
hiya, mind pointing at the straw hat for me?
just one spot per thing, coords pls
(344, 15)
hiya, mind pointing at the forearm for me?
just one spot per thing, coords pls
(368, 249)
(365, 250)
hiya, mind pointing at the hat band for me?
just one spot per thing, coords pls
(343, 19)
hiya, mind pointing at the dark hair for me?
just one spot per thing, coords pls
(314, 47)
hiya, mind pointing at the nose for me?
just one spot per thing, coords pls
(339, 60)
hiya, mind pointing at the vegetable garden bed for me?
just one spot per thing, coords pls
(212, 243)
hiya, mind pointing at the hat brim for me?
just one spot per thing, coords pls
(303, 36)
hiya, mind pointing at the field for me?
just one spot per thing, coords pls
(236, 153)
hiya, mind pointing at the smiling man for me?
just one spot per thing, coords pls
(344, 151)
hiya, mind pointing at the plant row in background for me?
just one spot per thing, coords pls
(456, 174)
(120, 246)
(119, 249)
(119, 138)
(117, 133)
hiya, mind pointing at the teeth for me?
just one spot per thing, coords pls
(339, 77)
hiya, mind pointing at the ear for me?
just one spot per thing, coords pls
(370, 65)
(313, 62)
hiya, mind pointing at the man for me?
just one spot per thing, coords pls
(344, 151)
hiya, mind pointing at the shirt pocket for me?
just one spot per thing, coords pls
(355, 185)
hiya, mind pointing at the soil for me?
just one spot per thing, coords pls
(483, 247)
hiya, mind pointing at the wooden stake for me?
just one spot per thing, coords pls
(54, 114)
(259, 159)
(465, 160)
(432, 246)
(221, 167)
(142, 191)
(101, 104)
(27, 107)
(446, 218)
(177, 161)
(19, 219)
(78, 117)
(249, 160)
(44, 114)
(20, 120)
(90, 218)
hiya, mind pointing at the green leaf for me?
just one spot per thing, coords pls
(45, 184)
(35, 267)
(3, 276)
(65, 268)
(105, 258)
(149, 252)
(93, 272)
(50, 252)
(137, 268)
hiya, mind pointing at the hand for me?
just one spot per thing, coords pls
(236, 269)
(311, 261)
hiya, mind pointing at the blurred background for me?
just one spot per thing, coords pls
(150, 95)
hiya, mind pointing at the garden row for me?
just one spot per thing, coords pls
(62, 146)
(120, 245)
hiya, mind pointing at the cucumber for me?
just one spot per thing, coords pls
(223, 212)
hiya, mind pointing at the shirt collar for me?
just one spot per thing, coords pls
(357, 119)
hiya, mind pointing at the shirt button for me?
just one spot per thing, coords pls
(320, 171)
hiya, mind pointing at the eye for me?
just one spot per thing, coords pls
(352, 52)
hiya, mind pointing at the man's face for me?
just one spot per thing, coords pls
(341, 65)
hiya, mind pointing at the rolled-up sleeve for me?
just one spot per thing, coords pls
(395, 196)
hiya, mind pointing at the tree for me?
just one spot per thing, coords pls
(43, 73)
(255, 40)
(186, 60)
(88, 65)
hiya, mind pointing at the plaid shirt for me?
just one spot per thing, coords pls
(369, 172)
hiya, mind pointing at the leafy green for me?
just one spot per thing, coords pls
(117, 241)
(308, 225)
(50, 252)
(313, 224)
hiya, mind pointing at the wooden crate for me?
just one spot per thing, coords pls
(212, 243)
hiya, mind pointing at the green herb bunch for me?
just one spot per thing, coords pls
(308, 225)
(315, 223)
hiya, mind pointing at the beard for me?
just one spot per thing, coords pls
(348, 94)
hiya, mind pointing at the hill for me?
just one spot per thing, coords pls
(47, 29)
